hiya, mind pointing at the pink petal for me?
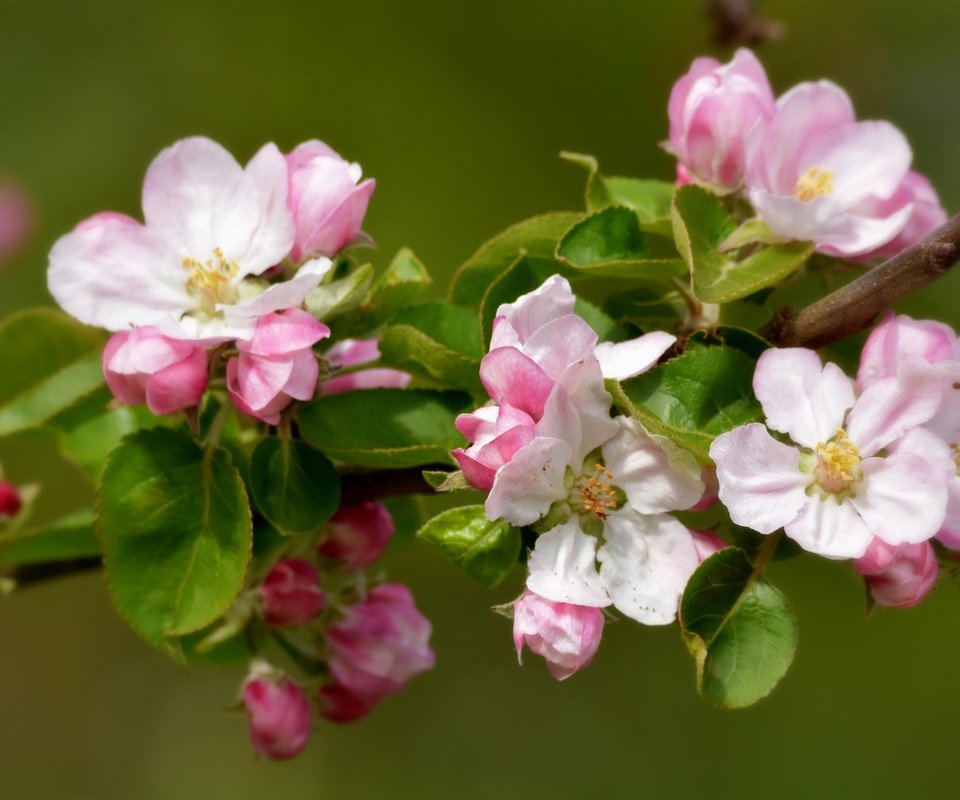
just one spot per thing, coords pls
(302, 383)
(528, 484)
(551, 300)
(760, 479)
(284, 334)
(261, 379)
(800, 395)
(557, 344)
(830, 529)
(563, 567)
(510, 376)
(178, 386)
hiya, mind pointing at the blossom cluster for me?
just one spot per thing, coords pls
(226, 254)
(809, 168)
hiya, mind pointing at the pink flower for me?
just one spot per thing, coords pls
(279, 716)
(277, 365)
(211, 228)
(816, 174)
(861, 467)
(380, 644)
(16, 220)
(567, 636)
(144, 366)
(901, 345)
(358, 534)
(711, 110)
(707, 543)
(916, 193)
(290, 594)
(10, 501)
(351, 353)
(339, 704)
(898, 576)
(327, 199)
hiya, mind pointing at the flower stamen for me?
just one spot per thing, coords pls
(597, 495)
(211, 282)
(814, 182)
(838, 463)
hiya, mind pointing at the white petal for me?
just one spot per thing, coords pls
(800, 395)
(645, 564)
(622, 360)
(760, 479)
(528, 484)
(563, 567)
(272, 239)
(829, 528)
(288, 294)
(557, 344)
(644, 470)
(551, 300)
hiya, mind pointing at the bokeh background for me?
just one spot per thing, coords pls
(459, 110)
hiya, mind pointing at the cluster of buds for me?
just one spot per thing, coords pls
(810, 170)
(365, 643)
(227, 254)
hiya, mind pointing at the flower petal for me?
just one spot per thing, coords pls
(510, 376)
(528, 484)
(622, 360)
(551, 300)
(563, 567)
(557, 344)
(280, 296)
(829, 528)
(272, 237)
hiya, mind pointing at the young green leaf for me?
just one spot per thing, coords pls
(738, 627)
(385, 427)
(175, 527)
(487, 550)
(295, 487)
(69, 537)
(49, 363)
(331, 300)
(701, 225)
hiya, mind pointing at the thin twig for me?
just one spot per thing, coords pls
(737, 22)
(855, 306)
(32, 574)
(355, 487)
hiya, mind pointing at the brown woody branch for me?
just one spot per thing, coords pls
(737, 22)
(855, 306)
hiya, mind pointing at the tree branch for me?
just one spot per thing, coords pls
(32, 574)
(355, 487)
(737, 22)
(855, 306)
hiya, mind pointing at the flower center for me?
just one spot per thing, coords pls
(838, 463)
(595, 494)
(212, 281)
(814, 182)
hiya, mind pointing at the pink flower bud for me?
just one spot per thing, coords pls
(382, 642)
(10, 502)
(279, 716)
(898, 339)
(711, 110)
(350, 353)
(327, 199)
(898, 576)
(357, 535)
(566, 635)
(290, 594)
(16, 220)
(277, 365)
(706, 544)
(144, 366)
(339, 704)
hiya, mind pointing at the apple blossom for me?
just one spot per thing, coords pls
(279, 715)
(277, 365)
(566, 636)
(711, 110)
(290, 594)
(327, 199)
(816, 174)
(211, 228)
(144, 366)
(861, 467)
(357, 534)
(898, 576)
(352, 353)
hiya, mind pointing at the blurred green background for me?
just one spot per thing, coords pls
(459, 111)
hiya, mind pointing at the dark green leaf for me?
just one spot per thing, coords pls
(385, 427)
(49, 363)
(485, 549)
(175, 526)
(739, 628)
(701, 225)
(294, 486)
(694, 398)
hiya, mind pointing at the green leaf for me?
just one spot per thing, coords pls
(385, 427)
(739, 628)
(536, 237)
(602, 323)
(49, 363)
(701, 225)
(438, 339)
(693, 398)
(295, 487)
(487, 550)
(518, 278)
(443, 481)
(595, 193)
(175, 527)
(402, 283)
(342, 296)
(90, 443)
(650, 200)
(610, 243)
(69, 537)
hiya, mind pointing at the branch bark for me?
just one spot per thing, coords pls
(855, 306)
(737, 22)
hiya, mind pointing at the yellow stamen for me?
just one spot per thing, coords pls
(838, 463)
(598, 495)
(813, 183)
(211, 282)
